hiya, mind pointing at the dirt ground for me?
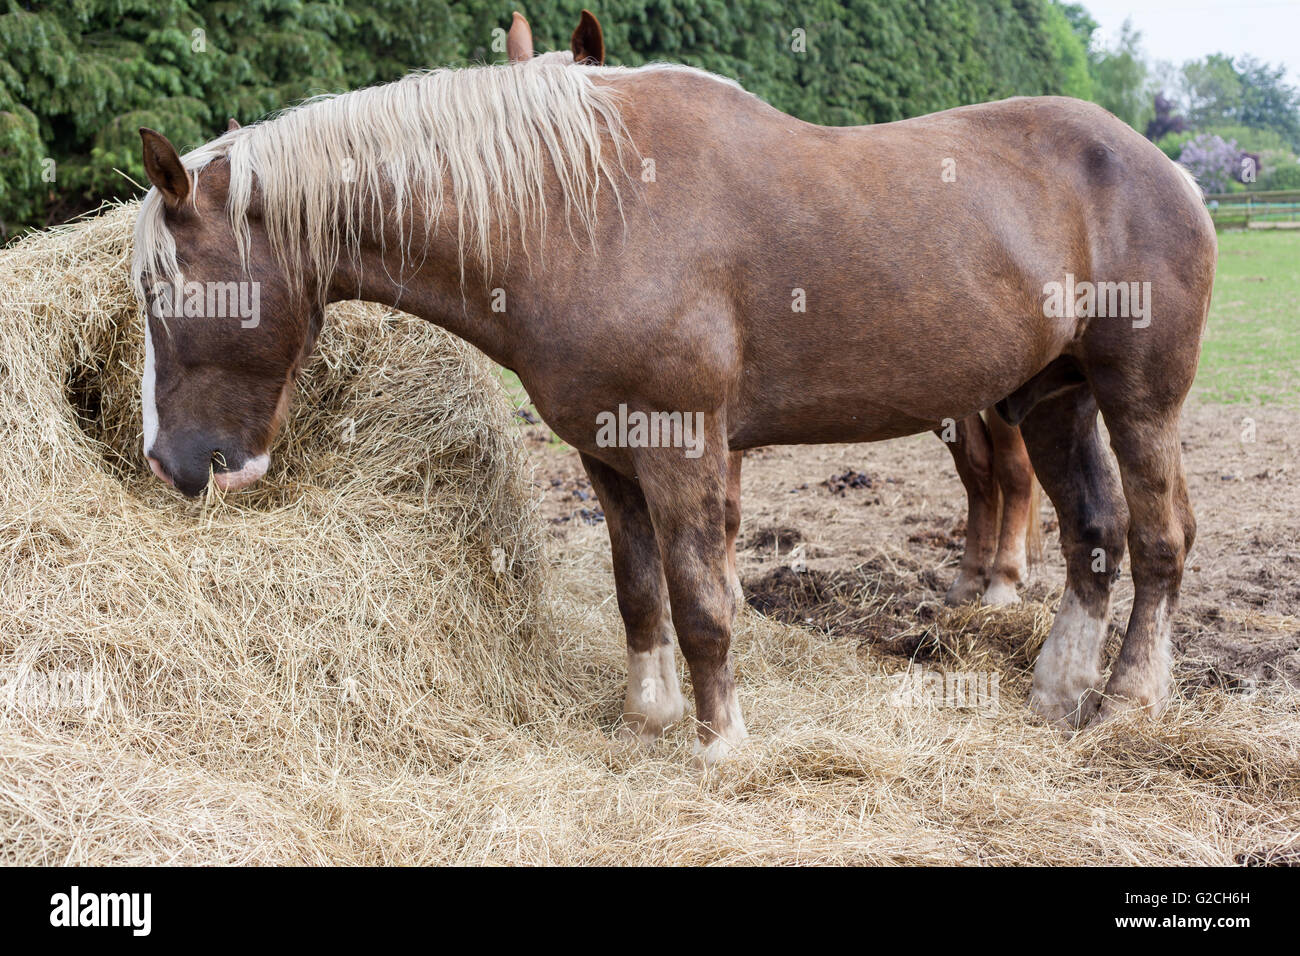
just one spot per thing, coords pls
(874, 532)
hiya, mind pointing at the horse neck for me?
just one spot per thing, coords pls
(426, 283)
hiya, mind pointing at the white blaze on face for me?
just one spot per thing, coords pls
(147, 383)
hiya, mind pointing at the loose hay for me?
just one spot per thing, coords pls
(329, 669)
(342, 622)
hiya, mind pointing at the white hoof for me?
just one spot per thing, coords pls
(721, 741)
(1114, 706)
(714, 753)
(1068, 708)
(1001, 593)
(1146, 684)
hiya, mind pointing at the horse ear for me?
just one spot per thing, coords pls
(164, 167)
(588, 43)
(519, 41)
(234, 125)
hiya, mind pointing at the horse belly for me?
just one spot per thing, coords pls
(866, 378)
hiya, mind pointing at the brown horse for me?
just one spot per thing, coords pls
(1004, 532)
(1003, 529)
(678, 272)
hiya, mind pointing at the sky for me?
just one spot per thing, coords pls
(1180, 30)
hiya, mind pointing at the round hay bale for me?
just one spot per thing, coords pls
(209, 681)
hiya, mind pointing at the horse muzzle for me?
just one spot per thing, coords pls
(252, 470)
(188, 472)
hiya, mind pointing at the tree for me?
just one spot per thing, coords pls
(1284, 174)
(1267, 101)
(1070, 50)
(1081, 22)
(1119, 78)
(1164, 122)
(78, 77)
(1213, 161)
(1171, 144)
(1213, 91)
(1244, 93)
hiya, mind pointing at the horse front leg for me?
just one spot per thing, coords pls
(1079, 476)
(687, 498)
(1144, 435)
(654, 699)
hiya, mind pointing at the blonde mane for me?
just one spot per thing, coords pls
(327, 167)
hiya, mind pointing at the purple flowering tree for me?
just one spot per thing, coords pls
(1214, 161)
(1165, 121)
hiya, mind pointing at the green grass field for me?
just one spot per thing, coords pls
(1252, 345)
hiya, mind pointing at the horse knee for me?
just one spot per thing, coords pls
(704, 631)
(1095, 550)
(1106, 534)
(645, 615)
(1158, 558)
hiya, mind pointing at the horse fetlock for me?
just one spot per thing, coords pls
(737, 591)
(1069, 705)
(1150, 700)
(1142, 685)
(715, 752)
(1012, 564)
(1143, 674)
(654, 699)
(1068, 672)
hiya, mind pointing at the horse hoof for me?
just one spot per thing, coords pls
(1001, 594)
(965, 590)
(1066, 710)
(1118, 704)
(643, 739)
(737, 592)
(654, 699)
(647, 731)
(716, 752)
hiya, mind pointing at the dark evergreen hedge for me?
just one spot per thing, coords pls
(78, 77)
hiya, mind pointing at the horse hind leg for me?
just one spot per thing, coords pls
(654, 699)
(1066, 449)
(1015, 478)
(972, 452)
(734, 461)
(1140, 373)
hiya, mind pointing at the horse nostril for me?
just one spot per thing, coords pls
(156, 467)
(183, 460)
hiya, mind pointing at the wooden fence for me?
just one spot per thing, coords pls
(1262, 210)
